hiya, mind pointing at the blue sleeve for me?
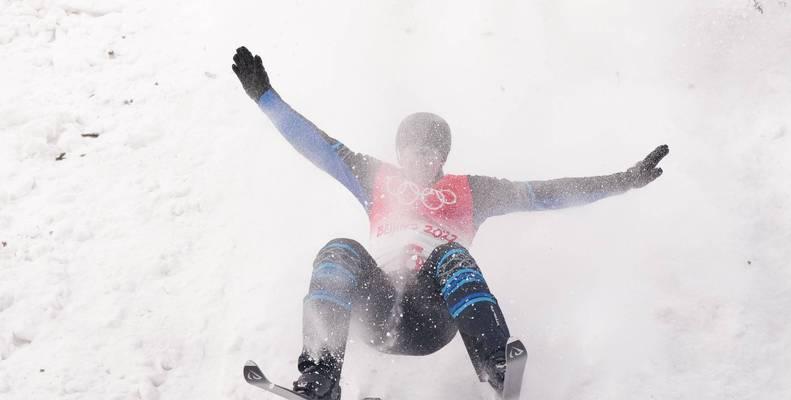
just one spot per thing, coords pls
(353, 170)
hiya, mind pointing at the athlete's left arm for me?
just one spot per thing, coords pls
(492, 196)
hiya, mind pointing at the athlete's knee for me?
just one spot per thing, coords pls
(448, 259)
(459, 280)
(344, 255)
(336, 273)
(345, 244)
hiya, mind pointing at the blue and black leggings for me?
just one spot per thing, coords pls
(416, 316)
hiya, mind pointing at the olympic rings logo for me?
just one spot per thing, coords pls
(408, 193)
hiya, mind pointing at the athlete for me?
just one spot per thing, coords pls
(416, 284)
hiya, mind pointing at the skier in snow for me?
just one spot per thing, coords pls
(418, 285)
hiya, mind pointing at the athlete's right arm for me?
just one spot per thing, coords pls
(354, 170)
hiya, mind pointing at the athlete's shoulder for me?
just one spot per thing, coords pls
(456, 178)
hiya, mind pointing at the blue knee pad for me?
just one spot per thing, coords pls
(337, 270)
(460, 280)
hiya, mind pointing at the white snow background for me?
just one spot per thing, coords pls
(153, 260)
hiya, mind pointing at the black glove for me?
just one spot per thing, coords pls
(250, 71)
(644, 172)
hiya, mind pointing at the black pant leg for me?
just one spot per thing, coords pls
(346, 283)
(374, 312)
(468, 301)
(424, 325)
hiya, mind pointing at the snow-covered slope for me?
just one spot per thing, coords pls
(151, 261)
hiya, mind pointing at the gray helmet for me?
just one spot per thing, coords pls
(427, 129)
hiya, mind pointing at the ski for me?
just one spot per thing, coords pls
(515, 361)
(254, 376)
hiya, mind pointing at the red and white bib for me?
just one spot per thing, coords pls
(409, 221)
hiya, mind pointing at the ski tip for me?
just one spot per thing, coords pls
(515, 348)
(253, 374)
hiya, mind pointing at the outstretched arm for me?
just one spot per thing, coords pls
(492, 196)
(353, 170)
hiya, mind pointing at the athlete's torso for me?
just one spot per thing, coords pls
(408, 221)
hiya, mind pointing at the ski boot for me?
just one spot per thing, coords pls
(320, 380)
(494, 370)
